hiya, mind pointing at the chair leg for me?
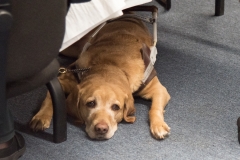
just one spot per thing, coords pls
(165, 3)
(219, 7)
(59, 111)
(238, 124)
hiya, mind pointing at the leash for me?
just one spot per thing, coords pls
(63, 70)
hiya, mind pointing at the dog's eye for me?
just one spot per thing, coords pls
(91, 104)
(115, 107)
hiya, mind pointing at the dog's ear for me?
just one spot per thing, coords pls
(129, 109)
(73, 108)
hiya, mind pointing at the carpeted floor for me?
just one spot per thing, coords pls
(199, 63)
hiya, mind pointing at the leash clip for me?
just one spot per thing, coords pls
(62, 70)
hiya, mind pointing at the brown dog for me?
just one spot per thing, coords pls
(104, 97)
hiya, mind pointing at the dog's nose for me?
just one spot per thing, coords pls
(101, 128)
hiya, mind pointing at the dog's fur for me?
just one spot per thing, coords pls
(104, 97)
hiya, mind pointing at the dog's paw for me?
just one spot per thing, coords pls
(40, 122)
(159, 129)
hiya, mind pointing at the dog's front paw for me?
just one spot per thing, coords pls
(40, 122)
(159, 129)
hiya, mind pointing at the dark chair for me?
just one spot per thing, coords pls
(238, 125)
(165, 3)
(219, 6)
(31, 34)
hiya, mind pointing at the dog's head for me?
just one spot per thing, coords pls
(101, 106)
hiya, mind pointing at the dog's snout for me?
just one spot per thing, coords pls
(101, 128)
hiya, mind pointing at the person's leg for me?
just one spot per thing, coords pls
(6, 121)
(6, 125)
(12, 144)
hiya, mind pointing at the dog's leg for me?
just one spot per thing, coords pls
(156, 92)
(42, 119)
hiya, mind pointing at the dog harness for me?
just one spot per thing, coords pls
(148, 54)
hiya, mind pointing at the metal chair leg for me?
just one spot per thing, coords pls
(238, 124)
(219, 7)
(59, 111)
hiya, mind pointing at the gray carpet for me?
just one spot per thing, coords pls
(199, 63)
